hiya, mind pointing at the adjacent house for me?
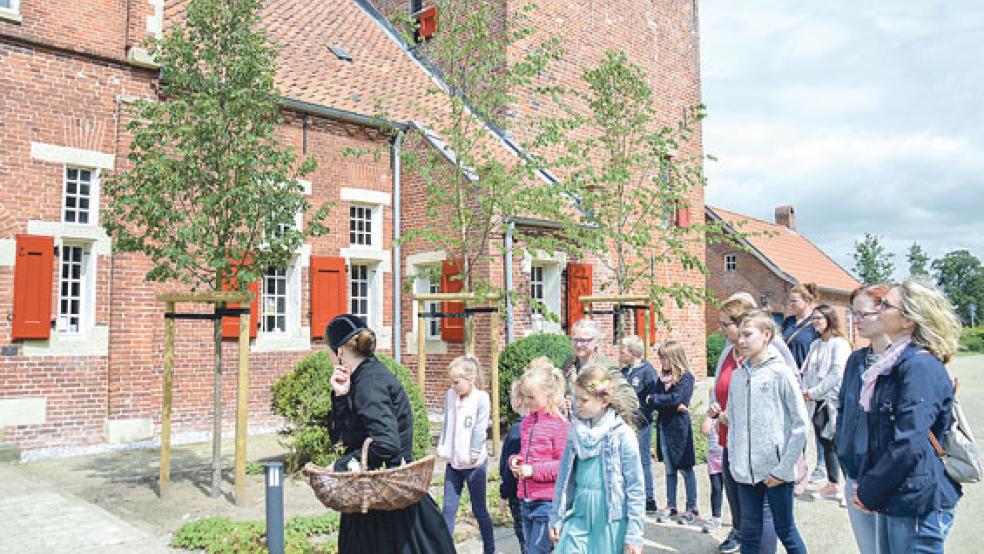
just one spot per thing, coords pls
(776, 258)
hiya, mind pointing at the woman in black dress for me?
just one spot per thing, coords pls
(368, 401)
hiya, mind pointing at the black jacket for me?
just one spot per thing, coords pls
(376, 406)
(672, 426)
(510, 446)
(643, 380)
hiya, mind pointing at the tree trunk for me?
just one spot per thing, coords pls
(217, 414)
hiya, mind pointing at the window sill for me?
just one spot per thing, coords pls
(93, 343)
(282, 342)
(10, 15)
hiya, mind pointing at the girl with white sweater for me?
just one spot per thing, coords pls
(823, 371)
(462, 444)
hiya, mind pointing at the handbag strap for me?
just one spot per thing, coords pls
(365, 454)
(936, 445)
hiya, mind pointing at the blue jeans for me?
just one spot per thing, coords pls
(913, 535)
(645, 451)
(517, 514)
(536, 524)
(862, 524)
(717, 493)
(768, 539)
(454, 481)
(752, 498)
(689, 481)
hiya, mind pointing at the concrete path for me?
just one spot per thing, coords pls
(36, 519)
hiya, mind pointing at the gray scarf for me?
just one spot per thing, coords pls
(588, 440)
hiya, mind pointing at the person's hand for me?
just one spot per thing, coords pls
(526, 470)
(515, 466)
(633, 549)
(340, 380)
(772, 482)
(554, 534)
(723, 419)
(473, 460)
(806, 396)
(856, 502)
(714, 410)
(682, 408)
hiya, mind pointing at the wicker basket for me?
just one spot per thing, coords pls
(381, 489)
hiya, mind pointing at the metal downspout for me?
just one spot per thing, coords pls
(397, 288)
(508, 238)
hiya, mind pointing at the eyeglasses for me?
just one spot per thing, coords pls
(725, 324)
(886, 305)
(862, 315)
(582, 342)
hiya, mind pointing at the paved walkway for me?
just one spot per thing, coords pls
(36, 519)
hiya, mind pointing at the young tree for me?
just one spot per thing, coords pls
(630, 180)
(917, 259)
(872, 261)
(210, 196)
(960, 274)
(471, 179)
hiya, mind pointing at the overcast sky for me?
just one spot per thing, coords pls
(867, 116)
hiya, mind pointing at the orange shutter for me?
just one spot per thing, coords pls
(682, 214)
(640, 321)
(32, 287)
(452, 328)
(427, 22)
(328, 288)
(579, 283)
(230, 324)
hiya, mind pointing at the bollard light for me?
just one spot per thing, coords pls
(274, 473)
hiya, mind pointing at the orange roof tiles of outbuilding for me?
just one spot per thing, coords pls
(791, 252)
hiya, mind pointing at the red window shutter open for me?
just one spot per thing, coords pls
(452, 328)
(32, 287)
(427, 22)
(230, 324)
(328, 292)
(682, 214)
(579, 283)
(640, 321)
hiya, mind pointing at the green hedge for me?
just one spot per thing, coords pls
(972, 340)
(303, 397)
(715, 345)
(516, 356)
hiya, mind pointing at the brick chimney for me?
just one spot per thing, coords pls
(786, 216)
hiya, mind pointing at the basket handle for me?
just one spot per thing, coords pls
(365, 454)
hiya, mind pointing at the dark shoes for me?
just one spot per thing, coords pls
(730, 544)
(651, 507)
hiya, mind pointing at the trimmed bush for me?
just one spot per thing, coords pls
(303, 397)
(715, 345)
(972, 340)
(516, 356)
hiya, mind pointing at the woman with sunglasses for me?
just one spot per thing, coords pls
(851, 436)
(906, 395)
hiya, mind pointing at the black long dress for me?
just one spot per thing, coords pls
(377, 406)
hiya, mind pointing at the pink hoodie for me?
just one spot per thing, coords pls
(543, 436)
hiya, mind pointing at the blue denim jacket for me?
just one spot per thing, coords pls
(901, 474)
(852, 423)
(622, 473)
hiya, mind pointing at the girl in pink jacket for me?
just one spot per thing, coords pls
(543, 437)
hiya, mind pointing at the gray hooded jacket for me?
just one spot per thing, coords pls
(766, 421)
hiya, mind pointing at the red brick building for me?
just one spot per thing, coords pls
(81, 348)
(777, 257)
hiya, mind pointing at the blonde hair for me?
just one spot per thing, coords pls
(937, 327)
(541, 362)
(807, 291)
(548, 381)
(633, 343)
(600, 382)
(676, 358)
(736, 307)
(589, 325)
(761, 319)
(466, 366)
(515, 392)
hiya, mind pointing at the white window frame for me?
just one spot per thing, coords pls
(374, 292)
(730, 263)
(552, 268)
(294, 338)
(93, 210)
(426, 283)
(270, 298)
(12, 13)
(375, 223)
(87, 290)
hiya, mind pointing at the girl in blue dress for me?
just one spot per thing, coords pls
(600, 497)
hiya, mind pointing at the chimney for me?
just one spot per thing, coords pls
(786, 216)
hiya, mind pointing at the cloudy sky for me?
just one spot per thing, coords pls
(866, 116)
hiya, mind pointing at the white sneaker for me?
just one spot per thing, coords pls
(819, 475)
(710, 524)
